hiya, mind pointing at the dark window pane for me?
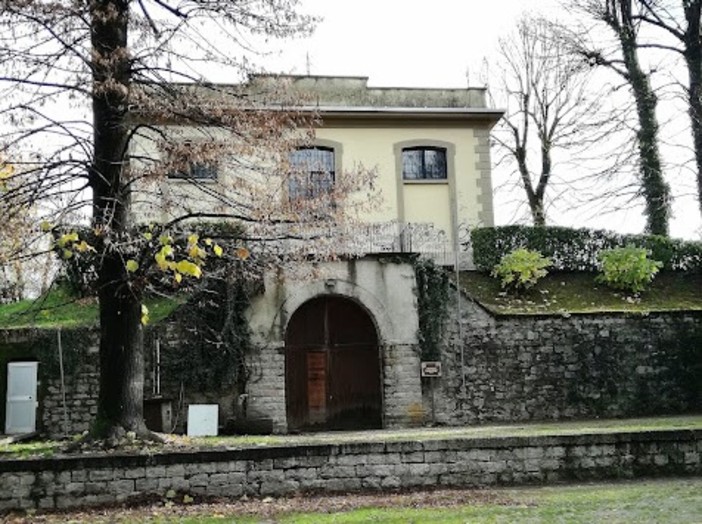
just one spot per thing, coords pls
(197, 171)
(412, 164)
(201, 170)
(435, 163)
(312, 172)
(422, 163)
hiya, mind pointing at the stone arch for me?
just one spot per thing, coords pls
(333, 374)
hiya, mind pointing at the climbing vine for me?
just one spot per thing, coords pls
(432, 306)
(206, 350)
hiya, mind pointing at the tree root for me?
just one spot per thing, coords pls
(116, 438)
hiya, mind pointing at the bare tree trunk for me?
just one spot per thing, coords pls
(120, 404)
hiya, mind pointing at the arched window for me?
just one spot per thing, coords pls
(424, 163)
(312, 173)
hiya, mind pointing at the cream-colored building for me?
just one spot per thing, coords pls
(427, 148)
(341, 350)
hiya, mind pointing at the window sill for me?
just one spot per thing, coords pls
(192, 181)
(430, 181)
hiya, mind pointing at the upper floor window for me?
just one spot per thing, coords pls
(186, 168)
(312, 172)
(424, 163)
(196, 171)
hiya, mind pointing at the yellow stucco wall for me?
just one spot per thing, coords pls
(374, 147)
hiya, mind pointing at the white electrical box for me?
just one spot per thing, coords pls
(203, 420)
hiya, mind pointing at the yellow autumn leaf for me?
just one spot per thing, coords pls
(192, 239)
(144, 314)
(161, 261)
(148, 235)
(218, 250)
(167, 251)
(6, 171)
(67, 253)
(196, 252)
(178, 277)
(188, 268)
(45, 226)
(83, 246)
(67, 238)
(132, 265)
(242, 253)
(208, 242)
(165, 239)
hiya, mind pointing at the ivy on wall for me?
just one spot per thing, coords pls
(432, 307)
(206, 346)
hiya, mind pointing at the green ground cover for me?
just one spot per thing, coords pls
(563, 293)
(59, 308)
(48, 448)
(677, 502)
(669, 501)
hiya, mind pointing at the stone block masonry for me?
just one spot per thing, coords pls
(67, 482)
(511, 368)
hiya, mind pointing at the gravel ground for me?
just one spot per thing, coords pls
(268, 508)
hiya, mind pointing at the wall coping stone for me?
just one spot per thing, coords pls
(126, 460)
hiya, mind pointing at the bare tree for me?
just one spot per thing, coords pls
(680, 22)
(551, 109)
(622, 19)
(95, 96)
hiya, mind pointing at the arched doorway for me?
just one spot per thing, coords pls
(332, 367)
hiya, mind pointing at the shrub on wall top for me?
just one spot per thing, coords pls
(521, 269)
(578, 249)
(627, 268)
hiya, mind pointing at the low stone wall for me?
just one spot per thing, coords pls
(108, 479)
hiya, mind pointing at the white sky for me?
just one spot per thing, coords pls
(442, 43)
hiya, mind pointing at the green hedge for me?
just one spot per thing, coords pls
(577, 249)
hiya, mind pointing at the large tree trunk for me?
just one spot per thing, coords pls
(653, 186)
(120, 404)
(693, 59)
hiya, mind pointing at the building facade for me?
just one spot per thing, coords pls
(339, 349)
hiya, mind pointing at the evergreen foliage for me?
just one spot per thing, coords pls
(627, 268)
(578, 249)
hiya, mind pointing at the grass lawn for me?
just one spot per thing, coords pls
(677, 502)
(674, 501)
(579, 293)
(47, 448)
(59, 309)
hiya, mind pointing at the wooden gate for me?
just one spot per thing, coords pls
(332, 367)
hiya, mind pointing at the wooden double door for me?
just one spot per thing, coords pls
(332, 367)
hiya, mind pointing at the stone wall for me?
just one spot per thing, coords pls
(520, 368)
(384, 287)
(95, 480)
(81, 375)
(82, 391)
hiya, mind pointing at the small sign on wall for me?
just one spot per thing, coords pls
(431, 368)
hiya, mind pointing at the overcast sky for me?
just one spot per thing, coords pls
(439, 43)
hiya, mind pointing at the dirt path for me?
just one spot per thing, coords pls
(269, 507)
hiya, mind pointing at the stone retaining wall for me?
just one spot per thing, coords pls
(95, 480)
(554, 367)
